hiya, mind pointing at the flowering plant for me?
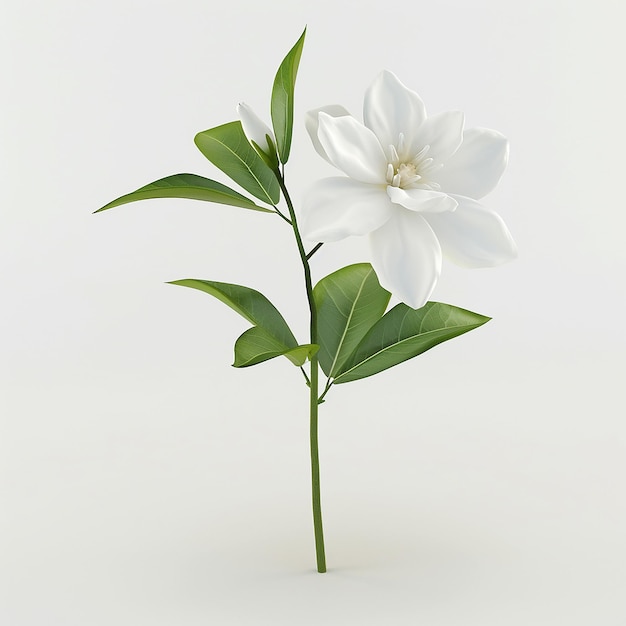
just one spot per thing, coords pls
(411, 182)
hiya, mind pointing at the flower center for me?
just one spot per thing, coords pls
(403, 174)
(407, 173)
(412, 172)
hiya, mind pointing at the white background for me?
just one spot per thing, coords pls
(145, 481)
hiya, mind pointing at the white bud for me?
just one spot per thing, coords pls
(255, 129)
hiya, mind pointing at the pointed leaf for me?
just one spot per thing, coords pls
(187, 186)
(283, 97)
(228, 148)
(349, 302)
(403, 333)
(256, 345)
(250, 304)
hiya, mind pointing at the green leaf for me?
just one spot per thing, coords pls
(228, 148)
(187, 186)
(283, 97)
(349, 302)
(256, 345)
(403, 333)
(250, 304)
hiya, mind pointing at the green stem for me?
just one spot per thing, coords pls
(306, 378)
(317, 247)
(313, 391)
(329, 384)
(282, 216)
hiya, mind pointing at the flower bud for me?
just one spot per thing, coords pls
(258, 133)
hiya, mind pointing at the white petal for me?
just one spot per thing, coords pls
(473, 236)
(352, 148)
(390, 108)
(407, 257)
(253, 127)
(422, 200)
(336, 208)
(311, 123)
(442, 132)
(477, 166)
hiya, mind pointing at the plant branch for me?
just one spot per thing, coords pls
(313, 384)
(329, 384)
(280, 214)
(306, 378)
(317, 247)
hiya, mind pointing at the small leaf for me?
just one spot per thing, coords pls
(301, 354)
(228, 148)
(250, 304)
(283, 97)
(403, 333)
(349, 302)
(256, 345)
(187, 186)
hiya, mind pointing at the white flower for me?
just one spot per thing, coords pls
(412, 183)
(257, 131)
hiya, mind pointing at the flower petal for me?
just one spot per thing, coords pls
(473, 236)
(336, 208)
(442, 132)
(352, 148)
(254, 128)
(477, 166)
(311, 123)
(390, 108)
(422, 200)
(407, 257)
